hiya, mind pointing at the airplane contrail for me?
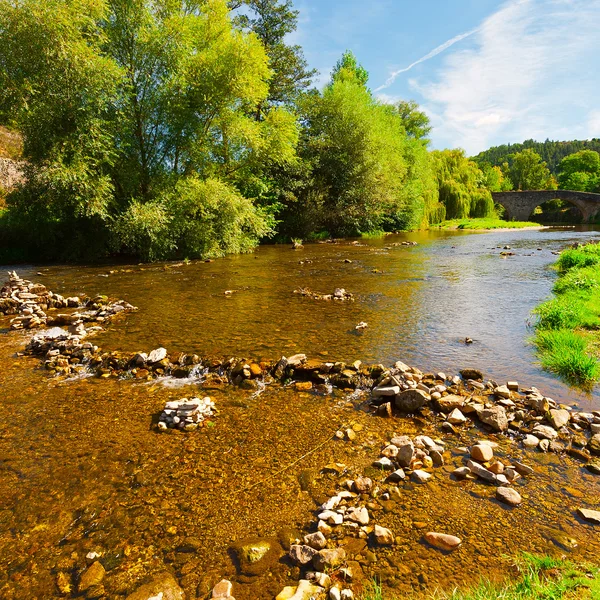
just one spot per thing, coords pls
(431, 54)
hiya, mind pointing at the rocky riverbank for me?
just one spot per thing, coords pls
(348, 535)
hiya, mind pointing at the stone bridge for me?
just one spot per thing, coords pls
(520, 205)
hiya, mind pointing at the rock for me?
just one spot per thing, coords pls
(303, 386)
(329, 558)
(163, 586)
(522, 469)
(331, 517)
(358, 515)
(157, 355)
(456, 417)
(461, 472)
(223, 589)
(384, 464)
(513, 386)
(252, 552)
(420, 476)
(411, 400)
(335, 594)
(397, 476)
(545, 432)
(594, 444)
(530, 441)
(296, 360)
(304, 591)
(63, 582)
(406, 450)
(390, 451)
(449, 403)
(321, 579)
(593, 516)
(471, 374)
(93, 575)
(496, 468)
(302, 554)
(508, 496)
(502, 391)
(347, 594)
(538, 403)
(495, 417)
(363, 485)
(315, 540)
(482, 453)
(391, 390)
(383, 536)
(593, 467)
(481, 472)
(442, 541)
(558, 417)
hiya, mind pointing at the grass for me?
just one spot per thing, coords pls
(486, 223)
(376, 233)
(537, 578)
(568, 325)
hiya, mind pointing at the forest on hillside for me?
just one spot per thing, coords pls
(193, 129)
(551, 152)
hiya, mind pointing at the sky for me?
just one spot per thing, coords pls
(487, 72)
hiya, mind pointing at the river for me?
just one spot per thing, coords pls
(82, 469)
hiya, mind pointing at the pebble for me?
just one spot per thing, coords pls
(530, 441)
(93, 575)
(302, 554)
(508, 496)
(383, 536)
(545, 432)
(443, 541)
(419, 476)
(456, 417)
(482, 453)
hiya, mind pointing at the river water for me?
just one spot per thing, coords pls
(81, 468)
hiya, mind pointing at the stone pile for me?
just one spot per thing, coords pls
(186, 414)
(526, 414)
(339, 294)
(28, 301)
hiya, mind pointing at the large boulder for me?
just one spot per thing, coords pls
(411, 401)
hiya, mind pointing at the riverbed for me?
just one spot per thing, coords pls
(83, 469)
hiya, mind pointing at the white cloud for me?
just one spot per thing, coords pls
(429, 55)
(532, 73)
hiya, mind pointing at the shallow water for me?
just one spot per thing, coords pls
(82, 469)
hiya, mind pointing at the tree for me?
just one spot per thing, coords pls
(122, 101)
(494, 178)
(416, 122)
(580, 171)
(461, 185)
(361, 171)
(348, 69)
(527, 171)
(272, 21)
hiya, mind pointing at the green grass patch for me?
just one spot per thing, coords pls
(566, 353)
(377, 233)
(536, 578)
(568, 325)
(481, 224)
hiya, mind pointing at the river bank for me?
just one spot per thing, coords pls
(139, 502)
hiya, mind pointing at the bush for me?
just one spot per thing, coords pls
(579, 257)
(564, 352)
(196, 219)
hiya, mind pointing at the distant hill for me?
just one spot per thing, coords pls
(550, 151)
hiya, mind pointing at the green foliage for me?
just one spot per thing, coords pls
(461, 186)
(527, 171)
(495, 179)
(348, 69)
(198, 218)
(416, 122)
(577, 280)
(272, 21)
(120, 103)
(584, 256)
(552, 152)
(580, 171)
(360, 171)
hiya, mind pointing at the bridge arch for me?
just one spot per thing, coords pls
(520, 205)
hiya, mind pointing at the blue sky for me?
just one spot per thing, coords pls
(487, 71)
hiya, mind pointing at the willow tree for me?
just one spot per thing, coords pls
(461, 185)
(123, 102)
